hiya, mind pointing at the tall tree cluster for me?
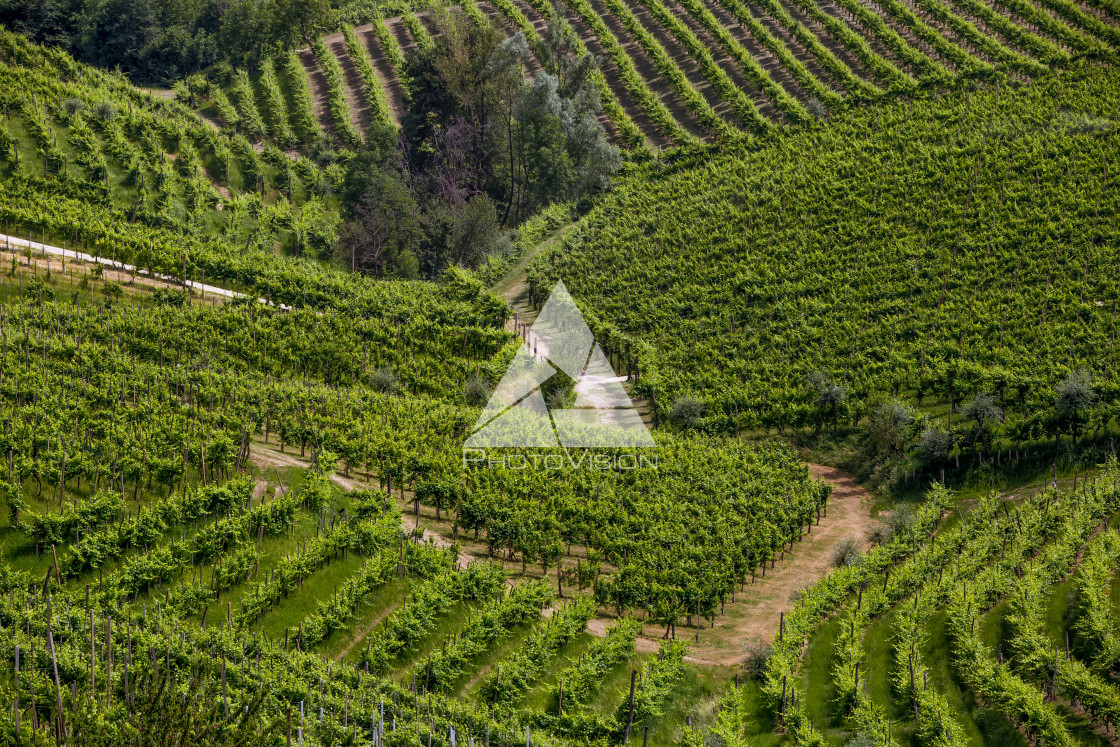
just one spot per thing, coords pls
(160, 41)
(483, 146)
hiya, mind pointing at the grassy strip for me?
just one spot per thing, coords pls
(334, 613)
(291, 571)
(302, 104)
(933, 714)
(1036, 655)
(910, 577)
(111, 539)
(375, 95)
(1096, 622)
(693, 100)
(519, 606)
(582, 679)
(647, 99)
(654, 683)
(213, 541)
(517, 673)
(1072, 521)
(336, 94)
(820, 600)
(226, 110)
(417, 616)
(259, 673)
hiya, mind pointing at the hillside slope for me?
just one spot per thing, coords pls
(934, 250)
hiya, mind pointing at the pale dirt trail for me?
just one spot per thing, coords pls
(756, 612)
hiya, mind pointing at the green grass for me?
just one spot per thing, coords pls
(542, 697)
(695, 697)
(480, 666)
(1115, 594)
(819, 693)
(878, 662)
(1059, 611)
(452, 622)
(616, 686)
(981, 726)
(1081, 728)
(303, 601)
(757, 716)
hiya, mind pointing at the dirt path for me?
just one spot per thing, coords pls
(514, 289)
(408, 522)
(756, 611)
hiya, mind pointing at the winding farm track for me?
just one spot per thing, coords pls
(756, 612)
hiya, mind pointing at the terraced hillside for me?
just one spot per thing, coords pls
(249, 517)
(689, 71)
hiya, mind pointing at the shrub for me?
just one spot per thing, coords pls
(384, 380)
(104, 111)
(847, 553)
(902, 519)
(880, 534)
(477, 391)
(934, 445)
(757, 657)
(686, 412)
